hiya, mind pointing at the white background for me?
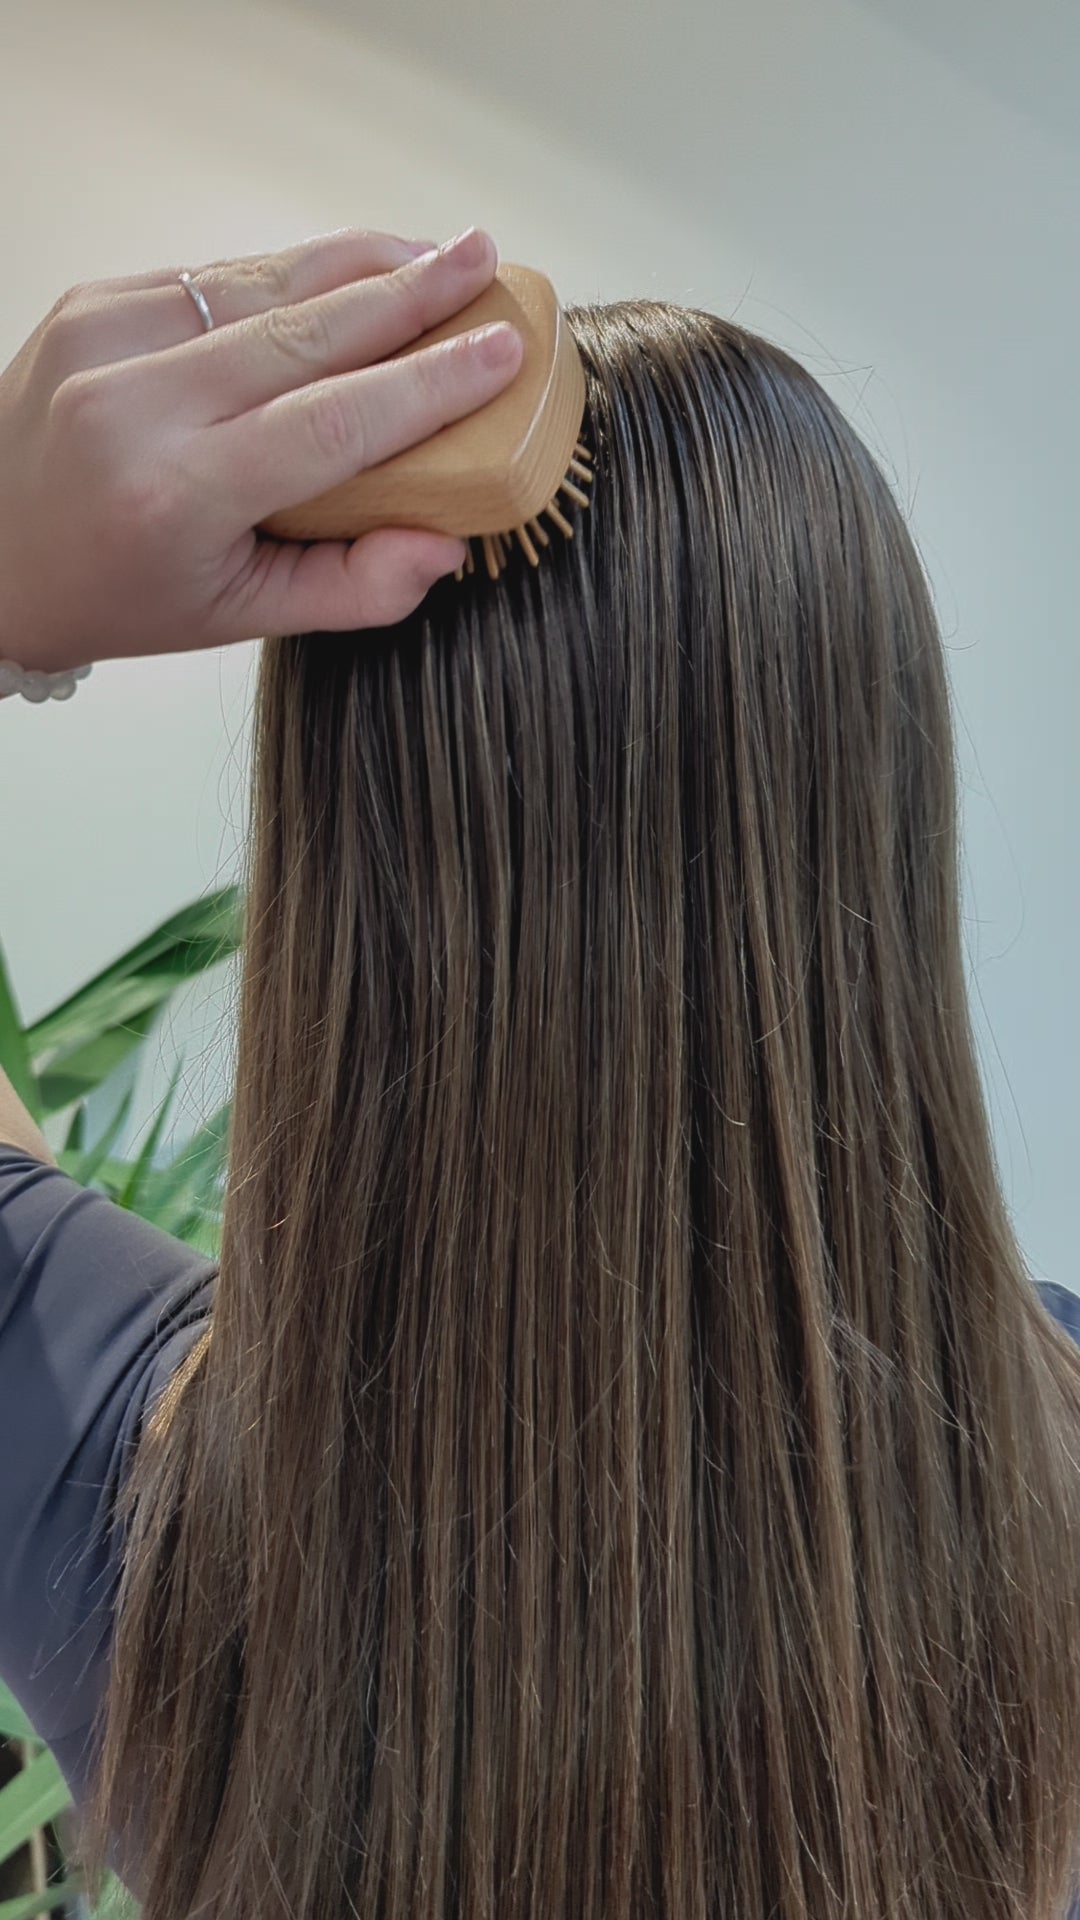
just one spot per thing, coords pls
(890, 188)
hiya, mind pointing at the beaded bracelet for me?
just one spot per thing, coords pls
(39, 687)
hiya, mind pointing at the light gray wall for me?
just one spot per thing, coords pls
(891, 188)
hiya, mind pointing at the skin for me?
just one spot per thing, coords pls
(16, 1127)
(138, 453)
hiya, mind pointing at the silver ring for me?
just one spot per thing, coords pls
(199, 299)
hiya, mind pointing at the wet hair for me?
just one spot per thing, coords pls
(629, 1472)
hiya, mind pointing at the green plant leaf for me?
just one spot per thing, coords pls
(113, 1005)
(14, 1051)
(27, 1905)
(130, 1193)
(202, 1233)
(36, 1795)
(110, 1175)
(14, 1724)
(77, 1071)
(184, 1198)
(191, 1184)
(199, 936)
(75, 1139)
(116, 1902)
(84, 1167)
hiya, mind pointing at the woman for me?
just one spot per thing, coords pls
(626, 1468)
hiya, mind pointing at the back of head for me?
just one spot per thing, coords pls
(634, 1464)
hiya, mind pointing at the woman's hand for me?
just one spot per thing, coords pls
(139, 452)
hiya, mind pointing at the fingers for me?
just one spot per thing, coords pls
(310, 440)
(234, 369)
(334, 586)
(104, 321)
(236, 289)
(252, 282)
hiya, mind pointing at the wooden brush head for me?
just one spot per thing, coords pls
(490, 472)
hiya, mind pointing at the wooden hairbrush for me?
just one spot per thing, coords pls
(490, 476)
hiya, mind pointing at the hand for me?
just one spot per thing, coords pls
(138, 452)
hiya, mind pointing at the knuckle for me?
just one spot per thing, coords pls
(302, 331)
(71, 299)
(267, 281)
(435, 371)
(337, 427)
(61, 338)
(449, 372)
(412, 296)
(83, 402)
(65, 323)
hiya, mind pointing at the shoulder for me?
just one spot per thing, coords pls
(97, 1308)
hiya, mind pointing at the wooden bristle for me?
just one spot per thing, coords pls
(574, 493)
(497, 548)
(560, 519)
(527, 547)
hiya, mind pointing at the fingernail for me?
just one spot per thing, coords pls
(468, 247)
(497, 345)
(417, 248)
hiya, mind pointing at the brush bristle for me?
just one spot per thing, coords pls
(497, 547)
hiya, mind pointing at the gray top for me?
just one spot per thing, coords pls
(96, 1309)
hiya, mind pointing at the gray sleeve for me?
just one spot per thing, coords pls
(96, 1310)
(1062, 1304)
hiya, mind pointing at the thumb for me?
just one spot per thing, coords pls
(337, 586)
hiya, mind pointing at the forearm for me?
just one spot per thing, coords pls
(17, 1129)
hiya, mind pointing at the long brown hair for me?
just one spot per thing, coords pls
(629, 1472)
